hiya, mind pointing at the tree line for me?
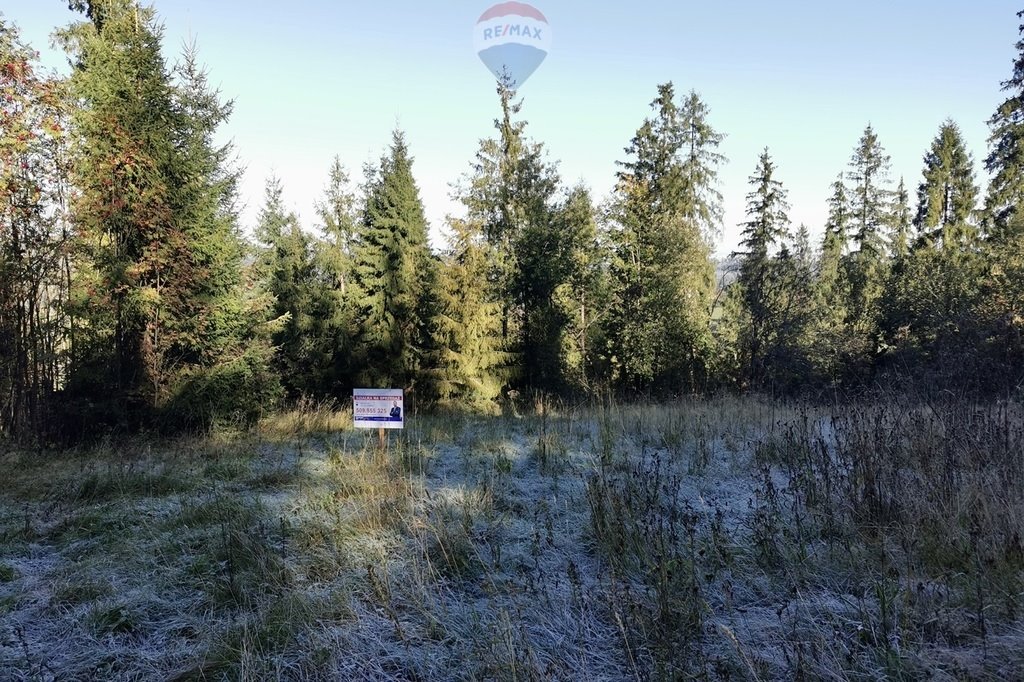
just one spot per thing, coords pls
(130, 297)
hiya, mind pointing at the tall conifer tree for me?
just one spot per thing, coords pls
(511, 192)
(1006, 156)
(581, 296)
(125, 212)
(469, 364)
(219, 355)
(902, 224)
(947, 196)
(871, 218)
(335, 321)
(762, 276)
(831, 300)
(290, 276)
(665, 207)
(394, 276)
(832, 281)
(157, 221)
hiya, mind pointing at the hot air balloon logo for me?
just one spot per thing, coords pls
(512, 39)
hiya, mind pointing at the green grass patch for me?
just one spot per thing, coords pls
(277, 477)
(7, 573)
(255, 644)
(235, 554)
(74, 591)
(225, 470)
(113, 620)
(208, 511)
(100, 486)
(105, 525)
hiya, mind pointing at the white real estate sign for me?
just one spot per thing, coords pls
(378, 408)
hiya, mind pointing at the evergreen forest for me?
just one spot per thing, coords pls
(131, 296)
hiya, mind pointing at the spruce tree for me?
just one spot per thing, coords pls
(902, 224)
(699, 223)
(703, 205)
(997, 313)
(802, 251)
(666, 205)
(831, 300)
(286, 262)
(788, 361)
(394, 276)
(209, 314)
(468, 366)
(581, 296)
(933, 284)
(947, 196)
(551, 255)
(932, 288)
(832, 282)
(762, 276)
(512, 192)
(805, 303)
(1005, 161)
(212, 338)
(768, 224)
(335, 321)
(871, 219)
(156, 218)
(339, 217)
(125, 211)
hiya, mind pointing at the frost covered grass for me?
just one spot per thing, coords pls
(723, 539)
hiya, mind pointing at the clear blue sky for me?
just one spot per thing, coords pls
(315, 78)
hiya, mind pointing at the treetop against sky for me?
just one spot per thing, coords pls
(315, 78)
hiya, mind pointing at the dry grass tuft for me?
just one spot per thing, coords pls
(307, 418)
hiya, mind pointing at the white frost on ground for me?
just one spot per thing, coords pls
(471, 558)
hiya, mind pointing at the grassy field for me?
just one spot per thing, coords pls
(728, 539)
